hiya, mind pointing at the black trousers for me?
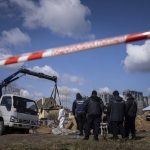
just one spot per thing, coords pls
(77, 122)
(117, 127)
(130, 126)
(94, 122)
(81, 118)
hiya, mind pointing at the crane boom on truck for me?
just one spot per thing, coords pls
(17, 111)
(24, 71)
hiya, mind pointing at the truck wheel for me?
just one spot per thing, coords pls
(1, 127)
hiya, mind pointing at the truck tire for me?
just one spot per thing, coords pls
(1, 127)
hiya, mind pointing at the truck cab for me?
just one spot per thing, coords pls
(17, 112)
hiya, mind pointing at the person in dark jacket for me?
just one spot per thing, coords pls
(79, 113)
(131, 110)
(117, 113)
(93, 108)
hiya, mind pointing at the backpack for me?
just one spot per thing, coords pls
(132, 110)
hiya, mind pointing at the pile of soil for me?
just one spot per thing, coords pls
(141, 123)
(43, 130)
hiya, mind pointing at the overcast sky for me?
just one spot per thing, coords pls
(29, 25)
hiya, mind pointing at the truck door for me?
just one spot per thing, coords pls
(6, 105)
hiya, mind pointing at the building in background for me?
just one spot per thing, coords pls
(105, 96)
(149, 100)
(145, 99)
(45, 107)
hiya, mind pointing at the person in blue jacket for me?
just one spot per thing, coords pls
(79, 113)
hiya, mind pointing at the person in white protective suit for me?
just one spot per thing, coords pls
(61, 117)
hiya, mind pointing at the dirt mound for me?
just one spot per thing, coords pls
(141, 123)
(43, 130)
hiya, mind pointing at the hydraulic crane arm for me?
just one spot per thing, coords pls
(9, 79)
(24, 71)
(39, 75)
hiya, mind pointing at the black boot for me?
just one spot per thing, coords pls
(133, 137)
(86, 138)
(81, 133)
(96, 138)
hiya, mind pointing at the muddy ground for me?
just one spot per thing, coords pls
(43, 139)
(38, 141)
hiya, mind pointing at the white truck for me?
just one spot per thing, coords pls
(17, 112)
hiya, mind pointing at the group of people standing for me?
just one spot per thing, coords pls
(120, 115)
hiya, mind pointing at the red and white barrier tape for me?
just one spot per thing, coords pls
(75, 48)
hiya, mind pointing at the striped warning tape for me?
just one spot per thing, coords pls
(75, 48)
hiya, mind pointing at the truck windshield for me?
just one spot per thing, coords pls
(24, 105)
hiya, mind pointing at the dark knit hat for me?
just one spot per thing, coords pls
(116, 93)
(78, 96)
(129, 95)
(94, 93)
